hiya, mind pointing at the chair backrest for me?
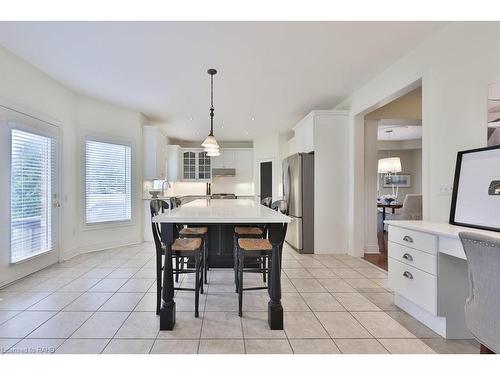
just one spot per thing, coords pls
(483, 304)
(158, 206)
(281, 206)
(267, 201)
(412, 205)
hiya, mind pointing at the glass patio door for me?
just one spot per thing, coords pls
(32, 190)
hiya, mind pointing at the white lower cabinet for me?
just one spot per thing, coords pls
(415, 285)
(428, 274)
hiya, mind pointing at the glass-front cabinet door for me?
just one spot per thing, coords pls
(189, 162)
(204, 168)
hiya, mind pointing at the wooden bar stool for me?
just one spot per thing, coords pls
(181, 248)
(257, 248)
(197, 232)
(250, 232)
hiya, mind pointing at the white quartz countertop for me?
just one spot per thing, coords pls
(222, 211)
(440, 229)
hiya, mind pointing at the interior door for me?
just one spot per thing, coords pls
(29, 198)
(266, 179)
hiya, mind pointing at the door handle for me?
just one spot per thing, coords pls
(56, 205)
(408, 275)
(407, 257)
(408, 239)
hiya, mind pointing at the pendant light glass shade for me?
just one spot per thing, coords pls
(210, 142)
(213, 152)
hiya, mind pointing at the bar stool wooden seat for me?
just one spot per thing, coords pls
(185, 248)
(248, 231)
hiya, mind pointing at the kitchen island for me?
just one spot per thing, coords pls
(220, 213)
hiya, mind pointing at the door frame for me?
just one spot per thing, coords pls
(54, 255)
(357, 220)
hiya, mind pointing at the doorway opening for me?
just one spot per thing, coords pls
(393, 170)
(266, 179)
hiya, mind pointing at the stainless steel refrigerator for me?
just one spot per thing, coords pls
(298, 191)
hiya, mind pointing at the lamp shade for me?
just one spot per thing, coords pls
(389, 165)
(212, 152)
(210, 142)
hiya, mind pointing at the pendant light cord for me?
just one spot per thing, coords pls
(211, 104)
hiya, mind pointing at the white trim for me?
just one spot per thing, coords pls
(436, 323)
(31, 124)
(357, 216)
(372, 249)
(105, 138)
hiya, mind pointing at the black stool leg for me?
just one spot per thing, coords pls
(264, 266)
(235, 260)
(176, 269)
(197, 285)
(241, 261)
(158, 284)
(202, 267)
(205, 257)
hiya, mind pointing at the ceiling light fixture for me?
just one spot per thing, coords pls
(210, 143)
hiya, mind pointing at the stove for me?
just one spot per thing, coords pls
(223, 196)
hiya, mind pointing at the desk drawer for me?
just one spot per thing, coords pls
(416, 258)
(413, 284)
(411, 238)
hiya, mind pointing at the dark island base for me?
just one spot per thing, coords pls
(220, 246)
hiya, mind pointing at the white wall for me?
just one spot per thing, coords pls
(101, 119)
(455, 67)
(25, 88)
(330, 182)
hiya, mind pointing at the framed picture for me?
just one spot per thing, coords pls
(475, 201)
(397, 180)
(494, 114)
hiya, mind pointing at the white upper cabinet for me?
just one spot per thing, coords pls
(154, 153)
(174, 162)
(243, 162)
(196, 165)
(304, 134)
(228, 158)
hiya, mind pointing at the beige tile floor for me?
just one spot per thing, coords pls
(104, 302)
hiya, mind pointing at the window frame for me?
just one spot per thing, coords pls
(83, 191)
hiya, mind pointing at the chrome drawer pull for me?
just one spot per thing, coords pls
(407, 257)
(408, 275)
(408, 239)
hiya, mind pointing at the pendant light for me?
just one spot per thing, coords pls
(211, 147)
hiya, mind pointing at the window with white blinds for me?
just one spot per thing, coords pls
(33, 161)
(108, 184)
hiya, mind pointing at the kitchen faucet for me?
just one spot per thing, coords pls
(163, 187)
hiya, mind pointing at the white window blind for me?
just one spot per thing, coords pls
(31, 188)
(108, 195)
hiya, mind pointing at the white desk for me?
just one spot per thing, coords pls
(428, 273)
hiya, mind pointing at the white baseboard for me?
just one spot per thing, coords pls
(372, 249)
(436, 323)
(98, 247)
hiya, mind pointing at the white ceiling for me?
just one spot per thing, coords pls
(399, 132)
(274, 72)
